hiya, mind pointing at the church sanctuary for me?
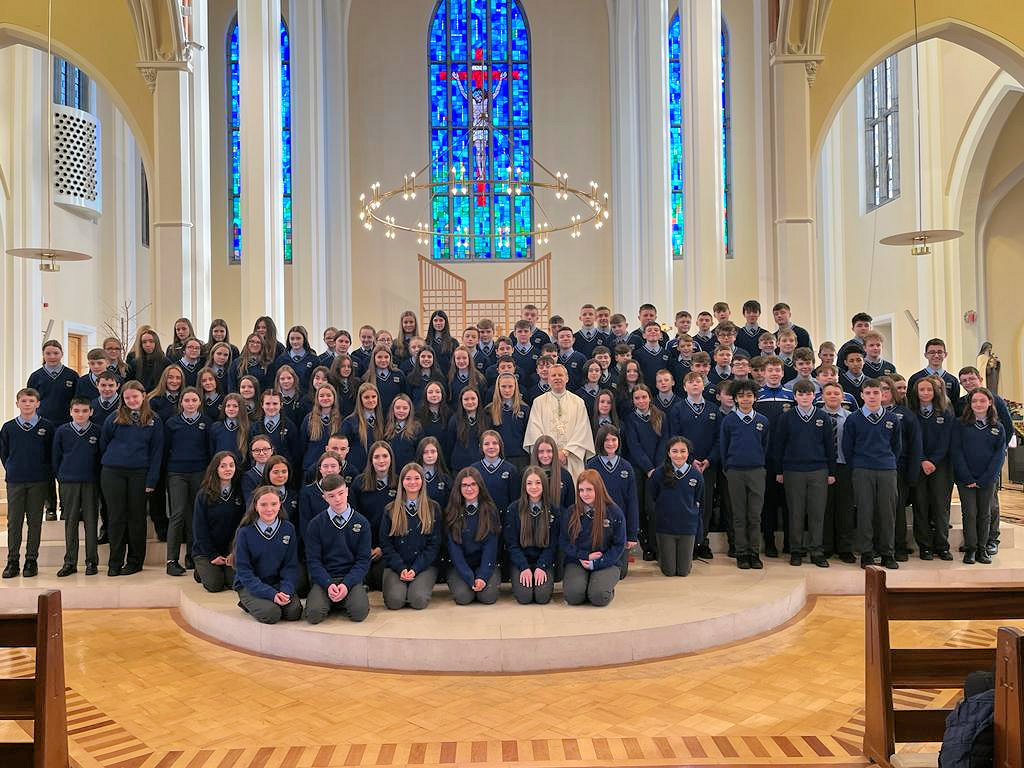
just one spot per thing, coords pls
(511, 383)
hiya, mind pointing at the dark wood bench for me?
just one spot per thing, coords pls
(40, 698)
(887, 668)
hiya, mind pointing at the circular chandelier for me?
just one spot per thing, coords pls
(372, 207)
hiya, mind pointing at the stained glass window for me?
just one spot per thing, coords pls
(70, 85)
(677, 160)
(881, 133)
(478, 91)
(235, 177)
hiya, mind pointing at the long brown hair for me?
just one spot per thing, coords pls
(475, 381)
(368, 480)
(554, 482)
(413, 428)
(534, 531)
(316, 424)
(209, 487)
(364, 429)
(968, 417)
(251, 515)
(351, 381)
(124, 413)
(242, 440)
(426, 509)
(270, 339)
(496, 399)
(455, 514)
(601, 503)
(655, 417)
(940, 402)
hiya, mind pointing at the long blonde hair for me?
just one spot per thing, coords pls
(496, 399)
(362, 426)
(316, 424)
(426, 509)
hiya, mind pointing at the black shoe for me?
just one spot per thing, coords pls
(128, 570)
(902, 557)
(189, 565)
(981, 557)
(743, 562)
(195, 575)
(174, 568)
(704, 552)
(12, 569)
(963, 548)
(51, 515)
(890, 563)
(771, 551)
(113, 571)
(993, 548)
(926, 554)
(795, 559)
(103, 538)
(67, 570)
(31, 569)
(650, 556)
(847, 557)
(91, 569)
(821, 562)
(968, 558)
(945, 555)
(866, 560)
(755, 562)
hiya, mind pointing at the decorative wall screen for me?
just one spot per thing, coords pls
(76, 160)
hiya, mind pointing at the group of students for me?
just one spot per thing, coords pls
(274, 465)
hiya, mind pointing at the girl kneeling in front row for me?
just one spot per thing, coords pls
(593, 535)
(410, 541)
(217, 511)
(472, 526)
(531, 535)
(267, 561)
(676, 491)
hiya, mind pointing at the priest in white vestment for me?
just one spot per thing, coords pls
(563, 416)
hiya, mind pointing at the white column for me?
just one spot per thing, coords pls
(121, 231)
(202, 246)
(339, 227)
(259, 23)
(700, 35)
(762, 157)
(171, 196)
(308, 304)
(830, 232)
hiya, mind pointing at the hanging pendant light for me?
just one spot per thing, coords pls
(49, 256)
(919, 239)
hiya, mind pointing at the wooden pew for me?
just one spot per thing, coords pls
(886, 668)
(40, 698)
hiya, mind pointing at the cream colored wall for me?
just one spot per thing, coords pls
(1004, 243)
(1007, 154)
(388, 114)
(964, 77)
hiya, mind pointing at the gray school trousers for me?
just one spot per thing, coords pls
(214, 578)
(746, 490)
(675, 554)
(267, 611)
(533, 594)
(355, 605)
(415, 593)
(875, 493)
(806, 497)
(580, 585)
(463, 593)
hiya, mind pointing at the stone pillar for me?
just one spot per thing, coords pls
(259, 23)
(202, 246)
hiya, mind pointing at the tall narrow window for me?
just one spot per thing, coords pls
(144, 206)
(882, 133)
(480, 130)
(70, 85)
(677, 159)
(235, 138)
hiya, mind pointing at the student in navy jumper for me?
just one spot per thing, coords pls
(545, 455)
(530, 532)
(435, 473)
(422, 369)
(338, 543)
(209, 390)
(249, 389)
(935, 486)
(805, 460)
(744, 449)
(871, 444)
(651, 354)
(592, 535)
(26, 448)
(410, 539)
(840, 526)
(132, 443)
(76, 464)
(979, 448)
(364, 426)
(509, 416)
(294, 405)
(299, 356)
(464, 429)
(385, 376)
(106, 403)
(372, 492)
(266, 561)
(439, 338)
(589, 336)
(403, 430)
(908, 463)
(472, 530)
(254, 360)
(773, 399)
(266, 329)
(499, 475)
(341, 376)
(620, 482)
(278, 474)
(260, 452)
(187, 450)
(935, 354)
(55, 384)
(591, 385)
(163, 400)
(676, 491)
(311, 497)
(316, 429)
(605, 412)
(645, 430)
(191, 360)
(463, 375)
(569, 357)
(434, 414)
(280, 430)
(218, 362)
(215, 517)
(86, 386)
(630, 377)
(525, 353)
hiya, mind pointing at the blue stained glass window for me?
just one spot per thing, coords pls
(479, 99)
(235, 180)
(677, 169)
(70, 85)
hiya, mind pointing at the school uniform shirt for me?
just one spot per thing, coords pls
(978, 451)
(214, 522)
(473, 559)
(586, 340)
(267, 558)
(677, 497)
(86, 387)
(525, 359)
(338, 547)
(838, 419)
(909, 460)
(804, 441)
(224, 437)
(56, 387)
(312, 450)
(1002, 413)
(704, 343)
(76, 453)
(513, 429)
(848, 404)
(295, 407)
(872, 439)
(852, 385)
(651, 361)
(936, 434)
(283, 435)
(573, 362)
(134, 446)
(876, 369)
(165, 406)
(439, 485)
(460, 381)
(644, 446)
(191, 369)
(539, 338)
(187, 443)
(462, 454)
(416, 550)
(744, 440)
(620, 482)
(251, 480)
(390, 383)
(372, 502)
(636, 340)
(700, 423)
(613, 538)
(103, 409)
(302, 363)
(531, 557)
(26, 449)
(484, 356)
(717, 375)
(952, 382)
(502, 480)
(747, 337)
(311, 504)
(263, 374)
(666, 402)
(855, 342)
(803, 338)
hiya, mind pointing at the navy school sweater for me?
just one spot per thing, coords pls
(462, 454)
(76, 455)
(871, 443)
(1002, 413)
(403, 446)
(101, 411)
(311, 504)
(303, 366)
(620, 482)
(26, 451)
(804, 444)
(211, 406)
(523, 558)
(311, 449)
(586, 346)
(389, 386)
(613, 540)
(643, 444)
(55, 392)
(744, 445)
(502, 481)
(224, 437)
(573, 362)
(134, 446)
(566, 487)
(265, 566)
(338, 549)
(746, 339)
(677, 501)
(978, 453)
(371, 504)
(86, 387)
(909, 460)
(700, 423)
(357, 448)
(214, 523)
(165, 406)
(187, 444)
(251, 480)
(284, 437)
(936, 434)
(651, 362)
(513, 429)
(439, 488)
(415, 550)
(952, 384)
(473, 559)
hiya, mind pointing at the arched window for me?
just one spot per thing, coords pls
(235, 178)
(677, 161)
(882, 133)
(478, 92)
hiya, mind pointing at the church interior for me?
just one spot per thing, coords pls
(330, 167)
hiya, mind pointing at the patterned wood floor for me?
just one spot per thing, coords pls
(144, 693)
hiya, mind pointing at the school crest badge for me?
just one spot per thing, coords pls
(285, 539)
